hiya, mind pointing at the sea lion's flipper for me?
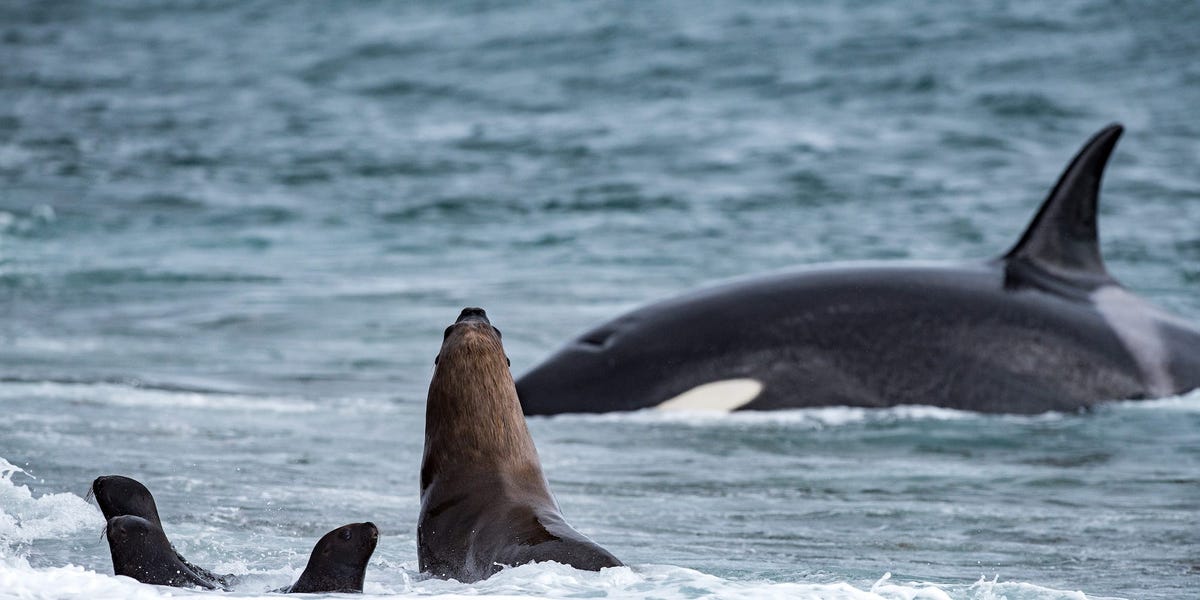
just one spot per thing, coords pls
(558, 541)
(189, 573)
(1063, 239)
(226, 581)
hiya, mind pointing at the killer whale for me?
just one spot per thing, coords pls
(1043, 327)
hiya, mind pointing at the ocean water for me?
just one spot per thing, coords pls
(232, 232)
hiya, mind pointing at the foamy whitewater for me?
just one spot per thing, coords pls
(231, 234)
(789, 520)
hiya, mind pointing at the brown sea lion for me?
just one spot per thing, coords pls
(485, 503)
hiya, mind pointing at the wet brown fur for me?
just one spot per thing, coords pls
(485, 502)
(472, 417)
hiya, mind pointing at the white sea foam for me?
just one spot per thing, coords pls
(25, 519)
(992, 589)
(131, 396)
(19, 580)
(1188, 403)
(547, 580)
(815, 418)
(836, 416)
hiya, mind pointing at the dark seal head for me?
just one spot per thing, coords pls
(118, 496)
(339, 560)
(485, 503)
(140, 550)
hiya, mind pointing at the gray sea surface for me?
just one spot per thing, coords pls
(231, 234)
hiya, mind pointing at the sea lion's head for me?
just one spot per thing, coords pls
(338, 562)
(119, 495)
(473, 340)
(123, 528)
(135, 543)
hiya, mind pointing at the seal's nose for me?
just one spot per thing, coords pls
(473, 314)
(97, 488)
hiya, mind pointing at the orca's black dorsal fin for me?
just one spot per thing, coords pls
(1062, 238)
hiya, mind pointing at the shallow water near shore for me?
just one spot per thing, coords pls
(911, 502)
(232, 233)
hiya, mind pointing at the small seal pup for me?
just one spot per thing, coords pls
(140, 550)
(339, 561)
(485, 503)
(118, 495)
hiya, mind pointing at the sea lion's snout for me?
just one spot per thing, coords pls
(102, 491)
(472, 313)
(471, 321)
(372, 530)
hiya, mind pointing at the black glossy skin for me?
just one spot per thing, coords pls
(1024, 333)
(338, 562)
(484, 500)
(118, 495)
(140, 550)
(973, 337)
